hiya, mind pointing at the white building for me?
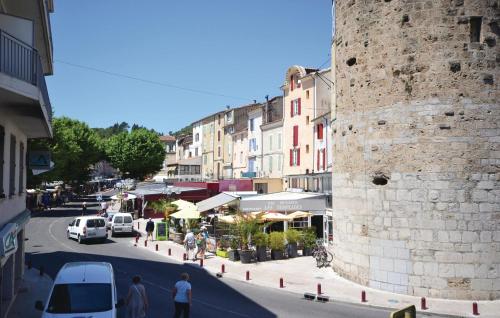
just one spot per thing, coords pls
(25, 113)
(254, 142)
(196, 147)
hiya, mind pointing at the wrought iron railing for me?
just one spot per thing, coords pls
(23, 62)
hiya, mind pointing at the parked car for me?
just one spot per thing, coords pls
(121, 223)
(108, 216)
(87, 289)
(85, 228)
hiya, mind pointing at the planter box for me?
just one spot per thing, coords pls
(306, 251)
(292, 250)
(276, 255)
(246, 256)
(261, 253)
(222, 253)
(233, 255)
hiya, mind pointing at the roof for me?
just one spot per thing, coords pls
(167, 138)
(158, 188)
(321, 116)
(285, 201)
(216, 201)
(85, 272)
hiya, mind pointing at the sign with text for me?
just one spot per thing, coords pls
(8, 235)
(161, 231)
(39, 159)
(309, 204)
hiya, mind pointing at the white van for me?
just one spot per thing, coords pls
(84, 288)
(85, 228)
(121, 223)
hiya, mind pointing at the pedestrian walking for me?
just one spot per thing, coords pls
(137, 300)
(201, 243)
(84, 207)
(182, 296)
(150, 227)
(190, 243)
(104, 206)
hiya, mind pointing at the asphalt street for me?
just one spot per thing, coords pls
(48, 246)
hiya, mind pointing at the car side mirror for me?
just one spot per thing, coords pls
(38, 305)
(120, 303)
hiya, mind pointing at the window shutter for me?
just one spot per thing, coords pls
(295, 135)
(291, 83)
(324, 159)
(299, 107)
(317, 160)
(291, 157)
(298, 157)
(320, 131)
(291, 108)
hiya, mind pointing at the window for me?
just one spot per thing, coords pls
(2, 153)
(307, 120)
(196, 152)
(21, 168)
(270, 159)
(295, 134)
(307, 94)
(241, 157)
(319, 131)
(80, 298)
(252, 124)
(307, 148)
(197, 137)
(294, 157)
(218, 119)
(77, 223)
(218, 135)
(295, 107)
(218, 151)
(475, 28)
(12, 175)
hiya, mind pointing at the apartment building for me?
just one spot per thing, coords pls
(25, 112)
(186, 167)
(254, 143)
(218, 145)
(207, 148)
(170, 145)
(196, 147)
(270, 178)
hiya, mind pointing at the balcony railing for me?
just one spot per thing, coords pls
(23, 62)
(249, 174)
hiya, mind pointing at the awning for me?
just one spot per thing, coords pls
(285, 202)
(216, 201)
(187, 213)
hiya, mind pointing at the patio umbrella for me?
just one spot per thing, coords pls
(182, 204)
(299, 214)
(187, 213)
(275, 217)
(230, 219)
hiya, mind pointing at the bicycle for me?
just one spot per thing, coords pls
(322, 256)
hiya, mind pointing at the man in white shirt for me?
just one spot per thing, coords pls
(182, 296)
(189, 244)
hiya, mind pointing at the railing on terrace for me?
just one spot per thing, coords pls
(23, 62)
(249, 174)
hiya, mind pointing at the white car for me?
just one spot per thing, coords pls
(87, 228)
(82, 289)
(121, 223)
(109, 216)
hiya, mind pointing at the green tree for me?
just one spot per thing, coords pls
(116, 129)
(74, 148)
(138, 153)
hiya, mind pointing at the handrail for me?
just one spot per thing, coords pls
(21, 61)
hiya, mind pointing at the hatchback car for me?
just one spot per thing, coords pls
(82, 289)
(86, 228)
(121, 223)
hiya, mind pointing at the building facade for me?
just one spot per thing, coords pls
(207, 166)
(170, 146)
(254, 143)
(416, 147)
(219, 145)
(196, 146)
(25, 113)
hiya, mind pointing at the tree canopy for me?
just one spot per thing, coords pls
(137, 153)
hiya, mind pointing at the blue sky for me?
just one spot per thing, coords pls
(240, 49)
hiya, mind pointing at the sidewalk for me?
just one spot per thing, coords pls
(33, 287)
(301, 275)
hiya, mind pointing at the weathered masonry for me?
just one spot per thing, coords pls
(416, 152)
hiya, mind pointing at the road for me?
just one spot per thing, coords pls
(48, 246)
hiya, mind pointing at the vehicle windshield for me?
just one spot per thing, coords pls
(80, 298)
(95, 223)
(127, 219)
(118, 219)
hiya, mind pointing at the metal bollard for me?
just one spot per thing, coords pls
(281, 283)
(423, 304)
(318, 289)
(137, 238)
(169, 252)
(156, 247)
(363, 296)
(248, 275)
(223, 268)
(201, 262)
(475, 309)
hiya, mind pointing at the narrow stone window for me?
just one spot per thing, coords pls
(380, 180)
(475, 28)
(351, 61)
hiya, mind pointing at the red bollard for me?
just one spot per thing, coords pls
(156, 247)
(137, 238)
(223, 268)
(146, 243)
(475, 309)
(201, 262)
(281, 283)
(423, 304)
(319, 289)
(184, 257)
(169, 252)
(363, 296)
(138, 223)
(248, 275)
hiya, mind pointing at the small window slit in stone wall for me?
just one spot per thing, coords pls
(380, 180)
(475, 28)
(351, 61)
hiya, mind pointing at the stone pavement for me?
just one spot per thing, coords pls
(301, 275)
(33, 287)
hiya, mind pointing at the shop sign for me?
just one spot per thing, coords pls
(39, 160)
(309, 204)
(8, 236)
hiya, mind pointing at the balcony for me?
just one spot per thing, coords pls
(23, 91)
(249, 174)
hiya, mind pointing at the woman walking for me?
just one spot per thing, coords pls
(137, 301)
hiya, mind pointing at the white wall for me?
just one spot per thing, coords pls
(20, 28)
(197, 129)
(256, 116)
(11, 206)
(272, 147)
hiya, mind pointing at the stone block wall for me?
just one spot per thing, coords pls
(416, 153)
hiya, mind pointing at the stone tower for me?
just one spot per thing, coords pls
(416, 132)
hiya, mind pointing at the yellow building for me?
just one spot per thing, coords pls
(218, 161)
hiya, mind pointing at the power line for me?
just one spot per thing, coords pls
(325, 62)
(147, 81)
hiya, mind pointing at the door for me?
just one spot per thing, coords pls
(76, 228)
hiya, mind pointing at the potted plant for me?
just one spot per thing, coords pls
(277, 244)
(233, 254)
(246, 227)
(222, 246)
(261, 241)
(307, 240)
(292, 237)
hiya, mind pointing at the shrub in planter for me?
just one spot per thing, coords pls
(292, 237)
(277, 244)
(245, 256)
(233, 252)
(261, 241)
(308, 240)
